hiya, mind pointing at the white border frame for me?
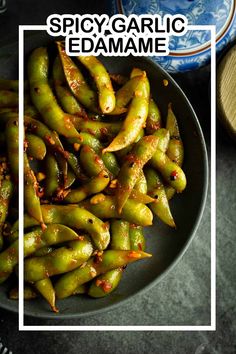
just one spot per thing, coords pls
(212, 326)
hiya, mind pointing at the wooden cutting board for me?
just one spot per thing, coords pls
(226, 91)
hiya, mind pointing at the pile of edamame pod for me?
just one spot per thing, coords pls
(99, 161)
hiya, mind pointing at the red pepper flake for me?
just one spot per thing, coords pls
(134, 254)
(140, 246)
(104, 284)
(173, 175)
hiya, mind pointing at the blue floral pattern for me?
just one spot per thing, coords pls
(198, 12)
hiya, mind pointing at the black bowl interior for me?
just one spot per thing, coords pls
(165, 244)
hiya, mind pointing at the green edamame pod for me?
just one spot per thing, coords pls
(53, 235)
(156, 189)
(77, 82)
(124, 95)
(91, 161)
(137, 239)
(108, 158)
(74, 217)
(43, 97)
(35, 147)
(29, 293)
(131, 168)
(175, 149)
(52, 181)
(153, 122)
(106, 96)
(99, 129)
(34, 241)
(93, 186)
(12, 139)
(45, 288)
(169, 170)
(104, 284)
(51, 140)
(120, 235)
(64, 95)
(105, 208)
(62, 260)
(136, 117)
(32, 202)
(8, 98)
(6, 191)
(111, 259)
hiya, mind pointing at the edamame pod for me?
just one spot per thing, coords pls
(105, 208)
(62, 260)
(74, 217)
(35, 147)
(52, 181)
(153, 122)
(34, 241)
(106, 96)
(93, 186)
(45, 288)
(130, 170)
(135, 119)
(43, 97)
(6, 191)
(76, 81)
(124, 95)
(175, 149)
(111, 259)
(32, 202)
(64, 95)
(169, 170)
(156, 189)
(91, 161)
(108, 158)
(51, 140)
(99, 129)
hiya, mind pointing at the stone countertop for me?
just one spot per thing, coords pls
(183, 296)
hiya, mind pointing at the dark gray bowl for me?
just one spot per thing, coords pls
(166, 245)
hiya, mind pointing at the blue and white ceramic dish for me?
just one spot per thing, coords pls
(192, 50)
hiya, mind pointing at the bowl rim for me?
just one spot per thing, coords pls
(185, 246)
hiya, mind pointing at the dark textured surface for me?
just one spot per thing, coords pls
(183, 297)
